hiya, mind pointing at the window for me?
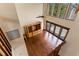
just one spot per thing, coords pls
(63, 10)
(72, 12)
(55, 10)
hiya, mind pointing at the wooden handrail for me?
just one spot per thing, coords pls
(58, 25)
(5, 45)
(6, 41)
(61, 28)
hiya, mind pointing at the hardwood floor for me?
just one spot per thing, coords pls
(42, 44)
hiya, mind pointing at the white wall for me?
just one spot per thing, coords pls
(7, 10)
(8, 17)
(27, 13)
(71, 47)
(72, 41)
(9, 21)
